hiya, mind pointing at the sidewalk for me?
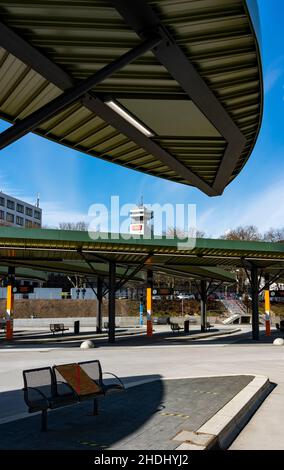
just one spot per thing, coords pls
(160, 415)
(232, 354)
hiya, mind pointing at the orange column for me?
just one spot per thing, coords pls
(267, 306)
(149, 302)
(10, 306)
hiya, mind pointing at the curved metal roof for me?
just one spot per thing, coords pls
(31, 247)
(74, 252)
(192, 77)
(25, 273)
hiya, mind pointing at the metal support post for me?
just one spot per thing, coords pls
(203, 304)
(99, 308)
(267, 306)
(111, 302)
(254, 297)
(149, 302)
(10, 303)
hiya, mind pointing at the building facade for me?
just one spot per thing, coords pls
(17, 213)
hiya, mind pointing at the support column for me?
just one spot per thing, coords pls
(267, 306)
(141, 309)
(254, 297)
(111, 303)
(99, 299)
(149, 302)
(203, 304)
(10, 303)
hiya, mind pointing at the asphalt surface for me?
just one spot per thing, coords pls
(146, 416)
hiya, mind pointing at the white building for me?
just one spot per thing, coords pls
(17, 213)
(141, 221)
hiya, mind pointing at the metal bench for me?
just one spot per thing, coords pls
(106, 325)
(94, 370)
(53, 387)
(57, 328)
(175, 327)
(208, 326)
(41, 391)
(280, 326)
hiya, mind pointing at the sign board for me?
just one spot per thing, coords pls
(277, 295)
(23, 289)
(137, 228)
(163, 291)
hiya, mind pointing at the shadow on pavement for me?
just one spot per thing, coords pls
(146, 416)
(74, 427)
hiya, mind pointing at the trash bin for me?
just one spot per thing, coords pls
(76, 327)
(186, 326)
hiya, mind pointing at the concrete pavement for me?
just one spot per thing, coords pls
(153, 415)
(226, 355)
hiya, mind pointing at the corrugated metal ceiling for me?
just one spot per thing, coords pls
(83, 36)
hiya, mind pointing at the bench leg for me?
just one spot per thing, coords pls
(44, 420)
(95, 407)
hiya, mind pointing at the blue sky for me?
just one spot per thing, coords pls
(69, 182)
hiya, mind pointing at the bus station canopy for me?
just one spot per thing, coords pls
(80, 255)
(53, 250)
(171, 88)
(24, 273)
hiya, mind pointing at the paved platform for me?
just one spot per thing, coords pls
(146, 416)
(228, 354)
(133, 336)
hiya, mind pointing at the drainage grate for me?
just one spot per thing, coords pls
(178, 415)
(93, 444)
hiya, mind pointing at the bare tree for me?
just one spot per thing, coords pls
(180, 233)
(247, 232)
(274, 235)
(81, 226)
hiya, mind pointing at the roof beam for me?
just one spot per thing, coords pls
(71, 95)
(133, 273)
(143, 20)
(107, 114)
(14, 44)
(35, 59)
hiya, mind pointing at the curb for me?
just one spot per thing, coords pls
(220, 430)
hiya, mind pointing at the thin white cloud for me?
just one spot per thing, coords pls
(54, 213)
(271, 78)
(264, 209)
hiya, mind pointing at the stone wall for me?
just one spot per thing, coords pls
(66, 308)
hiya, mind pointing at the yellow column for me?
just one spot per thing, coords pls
(9, 310)
(149, 302)
(267, 311)
(267, 306)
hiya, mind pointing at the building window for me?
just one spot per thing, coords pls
(37, 215)
(2, 201)
(29, 211)
(10, 204)
(19, 220)
(36, 225)
(2, 215)
(10, 217)
(28, 223)
(20, 208)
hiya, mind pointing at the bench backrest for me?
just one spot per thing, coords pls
(56, 326)
(93, 369)
(77, 378)
(42, 379)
